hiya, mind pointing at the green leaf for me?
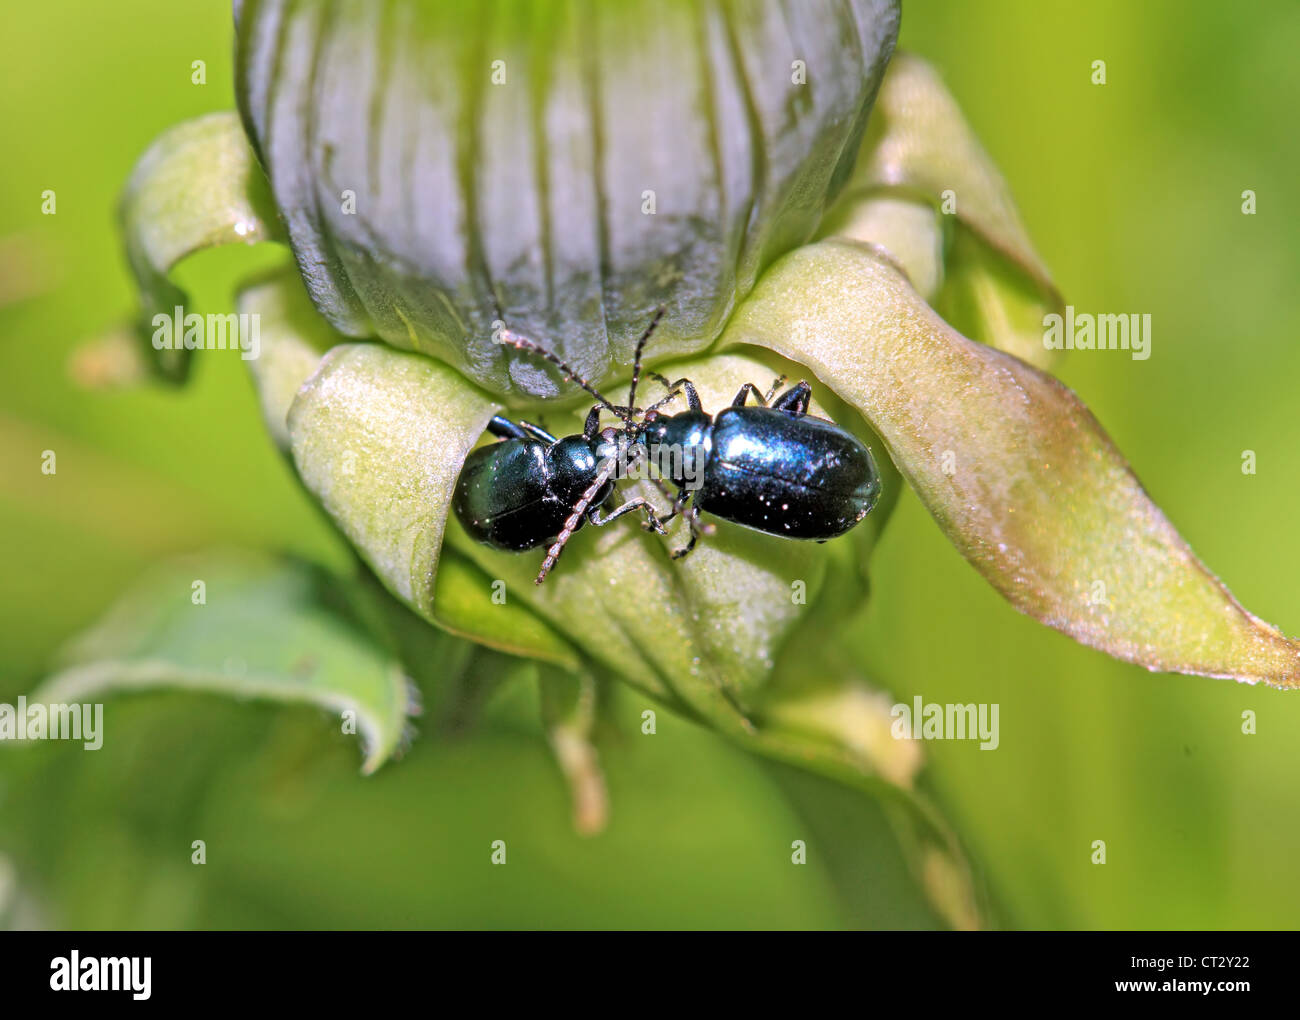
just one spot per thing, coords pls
(196, 187)
(279, 630)
(566, 169)
(1016, 471)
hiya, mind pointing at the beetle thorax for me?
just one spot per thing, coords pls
(679, 445)
(614, 444)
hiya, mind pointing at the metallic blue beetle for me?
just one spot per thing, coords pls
(771, 467)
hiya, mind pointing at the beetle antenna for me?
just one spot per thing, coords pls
(636, 361)
(574, 519)
(522, 343)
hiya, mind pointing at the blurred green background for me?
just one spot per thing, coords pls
(1132, 193)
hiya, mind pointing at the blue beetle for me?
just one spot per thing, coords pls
(769, 466)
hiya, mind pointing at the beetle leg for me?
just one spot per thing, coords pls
(795, 400)
(692, 398)
(677, 501)
(697, 529)
(749, 389)
(763, 400)
(652, 520)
